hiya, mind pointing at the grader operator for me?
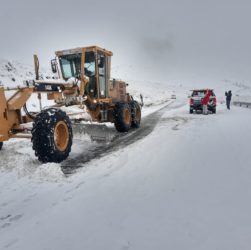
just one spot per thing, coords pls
(83, 80)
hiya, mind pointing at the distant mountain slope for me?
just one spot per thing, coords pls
(13, 73)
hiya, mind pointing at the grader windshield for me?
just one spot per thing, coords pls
(70, 65)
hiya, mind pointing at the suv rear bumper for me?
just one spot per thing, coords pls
(200, 107)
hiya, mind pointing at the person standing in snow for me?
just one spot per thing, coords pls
(228, 98)
(205, 102)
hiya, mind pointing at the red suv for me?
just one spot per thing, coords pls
(196, 98)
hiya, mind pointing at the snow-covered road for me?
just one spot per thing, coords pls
(185, 186)
(109, 140)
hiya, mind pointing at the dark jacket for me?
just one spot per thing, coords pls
(228, 95)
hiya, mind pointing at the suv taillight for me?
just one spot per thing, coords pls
(191, 101)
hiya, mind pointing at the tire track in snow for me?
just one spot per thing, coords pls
(118, 141)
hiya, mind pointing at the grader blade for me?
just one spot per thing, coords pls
(96, 132)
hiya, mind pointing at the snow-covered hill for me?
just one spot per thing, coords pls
(13, 73)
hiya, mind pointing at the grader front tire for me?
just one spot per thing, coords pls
(52, 136)
(1, 145)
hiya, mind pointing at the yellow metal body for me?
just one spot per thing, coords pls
(10, 112)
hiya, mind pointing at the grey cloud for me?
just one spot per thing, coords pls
(202, 38)
(157, 45)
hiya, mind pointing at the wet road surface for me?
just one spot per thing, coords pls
(107, 140)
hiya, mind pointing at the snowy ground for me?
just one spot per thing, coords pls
(184, 186)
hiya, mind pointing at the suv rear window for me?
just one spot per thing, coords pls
(200, 93)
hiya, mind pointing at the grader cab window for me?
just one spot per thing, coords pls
(89, 66)
(102, 72)
(90, 72)
(70, 65)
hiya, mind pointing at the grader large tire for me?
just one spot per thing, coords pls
(1, 145)
(122, 117)
(136, 114)
(52, 136)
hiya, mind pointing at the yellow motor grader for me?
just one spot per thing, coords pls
(83, 80)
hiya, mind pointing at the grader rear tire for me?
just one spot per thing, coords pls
(122, 117)
(1, 145)
(52, 136)
(136, 114)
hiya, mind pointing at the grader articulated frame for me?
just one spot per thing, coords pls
(83, 80)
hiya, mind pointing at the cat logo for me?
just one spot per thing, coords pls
(48, 87)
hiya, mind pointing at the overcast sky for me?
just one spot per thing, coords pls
(171, 39)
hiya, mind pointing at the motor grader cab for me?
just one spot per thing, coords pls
(83, 80)
(89, 66)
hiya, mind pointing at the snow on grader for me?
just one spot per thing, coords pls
(83, 80)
